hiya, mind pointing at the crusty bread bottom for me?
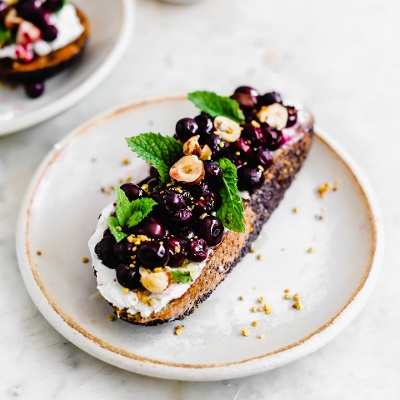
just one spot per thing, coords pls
(44, 67)
(235, 245)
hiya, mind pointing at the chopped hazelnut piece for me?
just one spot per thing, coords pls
(227, 129)
(188, 170)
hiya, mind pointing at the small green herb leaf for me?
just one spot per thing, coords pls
(231, 211)
(116, 229)
(140, 209)
(181, 276)
(5, 35)
(160, 151)
(124, 206)
(129, 213)
(215, 105)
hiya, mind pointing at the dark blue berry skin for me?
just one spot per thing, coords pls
(186, 128)
(254, 134)
(250, 178)
(186, 233)
(176, 251)
(197, 250)
(172, 201)
(273, 137)
(123, 249)
(152, 254)
(132, 191)
(105, 251)
(263, 157)
(34, 89)
(128, 277)
(205, 124)
(270, 98)
(213, 173)
(246, 96)
(149, 227)
(211, 230)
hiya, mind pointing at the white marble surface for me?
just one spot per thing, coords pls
(339, 58)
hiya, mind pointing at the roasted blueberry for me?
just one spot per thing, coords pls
(152, 254)
(205, 124)
(197, 249)
(53, 5)
(128, 277)
(211, 230)
(250, 178)
(105, 251)
(246, 96)
(132, 191)
(200, 189)
(186, 128)
(270, 98)
(49, 33)
(254, 134)
(172, 200)
(176, 251)
(217, 145)
(273, 137)
(242, 148)
(213, 173)
(149, 227)
(123, 249)
(263, 157)
(34, 89)
(182, 216)
(186, 233)
(205, 204)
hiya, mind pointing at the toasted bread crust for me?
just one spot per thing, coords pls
(235, 245)
(44, 67)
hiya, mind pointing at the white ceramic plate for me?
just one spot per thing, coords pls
(111, 29)
(65, 199)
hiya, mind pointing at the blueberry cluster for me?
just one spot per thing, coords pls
(251, 152)
(181, 226)
(36, 12)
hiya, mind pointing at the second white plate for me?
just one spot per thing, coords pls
(111, 28)
(69, 191)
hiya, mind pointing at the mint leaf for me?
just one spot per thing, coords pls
(140, 209)
(160, 151)
(124, 207)
(231, 211)
(181, 276)
(5, 35)
(129, 213)
(116, 229)
(215, 105)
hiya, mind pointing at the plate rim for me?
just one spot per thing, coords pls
(200, 372)
(78, 93)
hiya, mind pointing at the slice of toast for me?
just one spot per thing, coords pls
(44, 67)
(258, 208)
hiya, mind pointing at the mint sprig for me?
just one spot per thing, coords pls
(160, 151)
(215, 105)
(231, 213)
(181, 276)
(128, 213)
